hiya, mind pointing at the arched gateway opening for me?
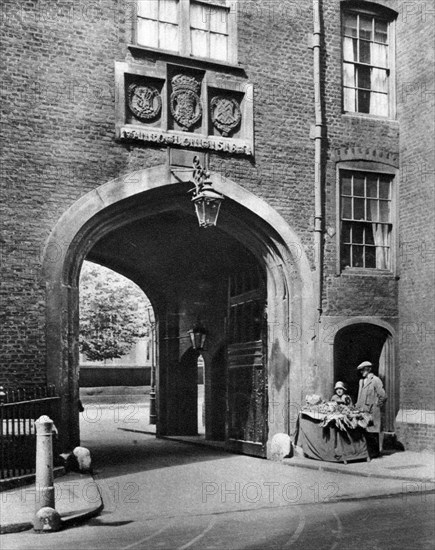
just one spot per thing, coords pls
(247, 281)
(364, 341)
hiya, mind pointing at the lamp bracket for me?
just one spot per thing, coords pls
(199, 176)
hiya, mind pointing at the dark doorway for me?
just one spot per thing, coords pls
(355, 344)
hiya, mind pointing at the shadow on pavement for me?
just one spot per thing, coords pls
(134, 452)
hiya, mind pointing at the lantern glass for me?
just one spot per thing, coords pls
(207, 205)
(202, 340)
(197, 338)
(207, 211)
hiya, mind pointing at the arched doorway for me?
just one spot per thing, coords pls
(144, 227)
(358, 342)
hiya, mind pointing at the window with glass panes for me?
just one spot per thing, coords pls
(188, 27)
(365, 219)
(366, 63)
(158, 24)
(209, 30)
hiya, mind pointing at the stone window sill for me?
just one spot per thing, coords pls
(203, 61)
(368, 116)
(367, 272)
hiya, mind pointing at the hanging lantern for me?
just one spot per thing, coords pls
(198, 335)
(207, 201)
(207, 205)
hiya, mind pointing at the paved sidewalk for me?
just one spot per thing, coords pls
(172, 478)
(77, 498)
(405, 465)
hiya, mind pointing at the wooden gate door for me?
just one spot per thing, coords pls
(246, 427)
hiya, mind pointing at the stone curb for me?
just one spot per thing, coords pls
(321, 467)
(314, 466)
(67, 519)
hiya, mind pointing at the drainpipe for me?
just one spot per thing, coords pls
(318, 168)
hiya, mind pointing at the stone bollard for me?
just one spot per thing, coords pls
(44, 477)
(281, 447)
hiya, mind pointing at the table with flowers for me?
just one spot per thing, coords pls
(330, 431)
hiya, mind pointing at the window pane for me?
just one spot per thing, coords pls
(346, 185)
(345, 256)
(363, 101)
(381, 31)
(370, 253)
(168, 11)
(199, 43)
(379, 104)
(384, 211)
(350, 49)
(372, 210)
(358, 209)
(358, 185)
(379, 80)
(349, 74)
(364, 52)
(350, 24)
(218, 19)
(168, 36)
(349, 97)
(385, 187)
(346, 208)
(372, 186)
(357, 256)
(147, 8)
(358, 233)
(147, 33)
(365, 27)
(379, 55)
(369, 239)
(198, 16)
(218, 46)
(364, 80)
(345, 232)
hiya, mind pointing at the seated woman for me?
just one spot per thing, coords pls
(340, 396)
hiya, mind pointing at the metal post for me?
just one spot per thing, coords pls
(44, 471)
(153, 412)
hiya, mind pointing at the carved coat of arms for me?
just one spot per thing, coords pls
(225, 114)
(185, 101)
(144, 102)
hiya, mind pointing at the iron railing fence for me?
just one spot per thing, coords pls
(19, 408)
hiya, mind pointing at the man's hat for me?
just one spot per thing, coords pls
(340, 385)
(364, 364)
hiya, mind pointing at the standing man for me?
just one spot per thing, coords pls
(371, 397)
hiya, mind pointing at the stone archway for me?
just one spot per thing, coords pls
(250, 220)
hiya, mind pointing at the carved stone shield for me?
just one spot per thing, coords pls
(144, 102)
(185, 102)
(225, 114)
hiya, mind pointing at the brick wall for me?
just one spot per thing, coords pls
(416, 437)
(58, 115)
(351, 137)
(417, 251)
